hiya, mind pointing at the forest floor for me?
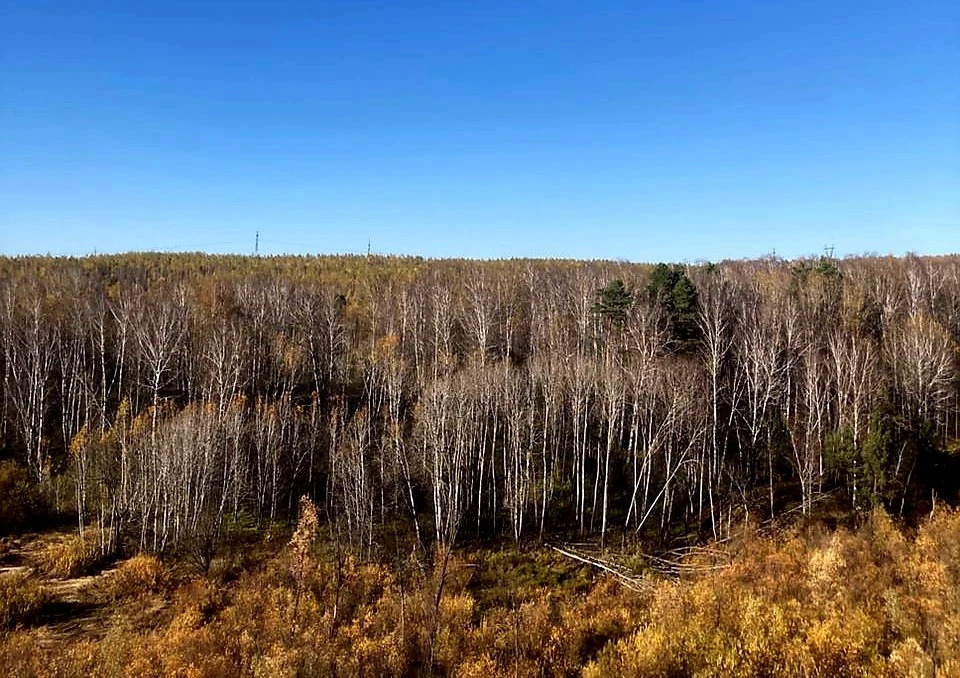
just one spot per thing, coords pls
(74, 610)
(872, 597)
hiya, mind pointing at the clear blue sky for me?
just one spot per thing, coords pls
(635, 130)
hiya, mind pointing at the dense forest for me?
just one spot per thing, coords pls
(172, 400)
(350, 466)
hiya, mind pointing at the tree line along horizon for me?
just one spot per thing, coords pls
(172, 400)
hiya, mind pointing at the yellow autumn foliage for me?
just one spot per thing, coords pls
(880, 601)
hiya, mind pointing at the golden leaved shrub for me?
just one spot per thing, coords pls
(877, 601)
(143, 573)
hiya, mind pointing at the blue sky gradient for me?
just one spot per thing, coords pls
(642, 131)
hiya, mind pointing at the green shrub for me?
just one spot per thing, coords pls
(21, 505)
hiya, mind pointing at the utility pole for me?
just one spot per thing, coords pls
(256, 245)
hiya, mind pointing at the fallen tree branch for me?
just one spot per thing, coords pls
(631, 582)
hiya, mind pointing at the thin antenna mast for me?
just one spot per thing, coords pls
(256, 245)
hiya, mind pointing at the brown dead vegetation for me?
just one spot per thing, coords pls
(878, 600)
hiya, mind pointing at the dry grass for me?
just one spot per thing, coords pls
(139, 575)
(73, 557)
(875, 601)
(22, 599)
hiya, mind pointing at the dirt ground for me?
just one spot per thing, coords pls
(74, 609)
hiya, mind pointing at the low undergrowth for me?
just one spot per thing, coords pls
(74, 557)
(875, 600)
(22, 599)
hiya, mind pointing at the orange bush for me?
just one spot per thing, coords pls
(141, 574)
(811, 602)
